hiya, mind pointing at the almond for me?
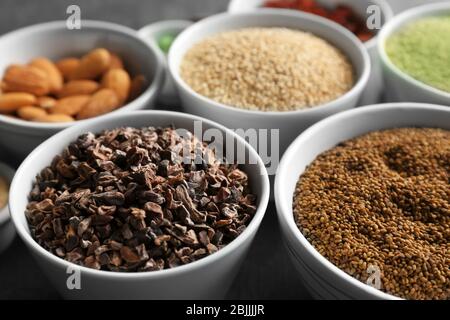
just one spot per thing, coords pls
(46, 102)
(67, 66)
(26, 79)
(54, 118)
(31, 112)
(70, 105)
(101, 102)
(137, 87)
(92, 65)
(54, 76)
(77, 87)
(119, 81)
(10, 102)
(116, 62)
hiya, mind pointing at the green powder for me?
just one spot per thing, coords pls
(422, 50)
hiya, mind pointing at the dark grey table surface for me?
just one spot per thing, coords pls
(267, 272)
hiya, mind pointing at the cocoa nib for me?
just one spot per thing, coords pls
(129, 200)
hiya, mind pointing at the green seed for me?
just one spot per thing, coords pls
(165, 42)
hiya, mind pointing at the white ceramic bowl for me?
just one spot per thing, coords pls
(289, 123)
(207, 278)
(7, 231)
(323, 278)
(372, 93)
(151, 33)
(55, 41)
(403, 87)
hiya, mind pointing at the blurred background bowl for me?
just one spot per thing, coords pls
(401, 86)
(321, 277)
(153, 33)
(7, 231)
(373, 92)
(208, 278)
(55, 41)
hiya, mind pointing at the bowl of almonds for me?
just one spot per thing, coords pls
(52, 77)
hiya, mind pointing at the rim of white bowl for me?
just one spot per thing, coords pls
(152, 89)
(24, 233)
(285, 213)
(359, 85)
(386, 9)
(6, 172)
(399, 22)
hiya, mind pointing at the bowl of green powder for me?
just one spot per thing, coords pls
(415, 52)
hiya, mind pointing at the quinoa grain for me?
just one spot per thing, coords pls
(383, 199)
(268, 69)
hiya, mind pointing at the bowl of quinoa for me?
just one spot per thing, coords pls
(365, 209)
(270, 69)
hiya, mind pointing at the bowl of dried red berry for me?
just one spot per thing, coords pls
(364, 18)
(142, 205)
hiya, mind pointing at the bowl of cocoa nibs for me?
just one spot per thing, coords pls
(52, 77)
(142, 205)
(364, 209)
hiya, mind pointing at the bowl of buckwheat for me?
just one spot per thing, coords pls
(364, 208)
